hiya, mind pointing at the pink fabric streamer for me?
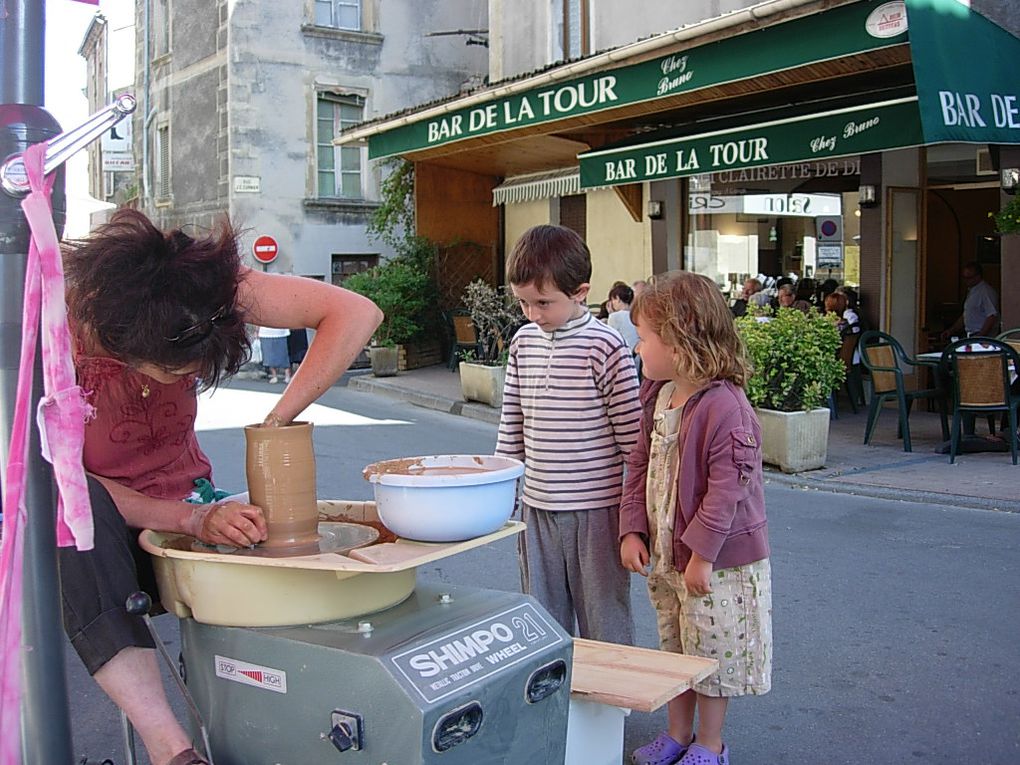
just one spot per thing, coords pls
(61, 419)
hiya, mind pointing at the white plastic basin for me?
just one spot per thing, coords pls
(445, 498)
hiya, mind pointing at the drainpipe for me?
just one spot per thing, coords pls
(146, 114)
(46, 725)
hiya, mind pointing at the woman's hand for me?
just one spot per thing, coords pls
(227, 523)
(698, 575)
(634, 554)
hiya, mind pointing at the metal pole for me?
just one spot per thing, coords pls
(46, 720)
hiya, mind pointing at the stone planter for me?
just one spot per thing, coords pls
(794, 441)
(385, 360)
(480, 382)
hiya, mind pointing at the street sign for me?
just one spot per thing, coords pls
(829, 256)
(829, 228)
(265, 249)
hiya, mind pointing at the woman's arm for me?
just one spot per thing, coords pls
(221, 523)
(343, 322)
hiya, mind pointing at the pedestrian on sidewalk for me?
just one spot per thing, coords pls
(570, 412)
(275, 356)
(693, 510)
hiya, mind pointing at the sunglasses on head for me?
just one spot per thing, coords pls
(199, 331)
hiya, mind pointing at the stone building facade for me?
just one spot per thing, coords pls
(239, 101)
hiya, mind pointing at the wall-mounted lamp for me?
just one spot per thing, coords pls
(1010, 179)
(654, 209)
(867, 196)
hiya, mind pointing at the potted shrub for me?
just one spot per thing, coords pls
(403, 289)
(496, 315)
(1007, 220)
(795, 369)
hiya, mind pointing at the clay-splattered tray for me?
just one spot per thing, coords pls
(398, 555)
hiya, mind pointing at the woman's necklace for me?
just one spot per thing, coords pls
(145, 390)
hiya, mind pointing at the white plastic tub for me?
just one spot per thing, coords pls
(445, 498)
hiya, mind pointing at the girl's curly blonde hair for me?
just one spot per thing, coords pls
(688, 312)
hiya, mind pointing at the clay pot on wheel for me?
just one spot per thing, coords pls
(280, 468)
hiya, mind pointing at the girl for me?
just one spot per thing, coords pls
(694, 506)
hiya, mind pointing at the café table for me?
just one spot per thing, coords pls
(935, 359)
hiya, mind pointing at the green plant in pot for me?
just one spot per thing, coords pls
(795, 368)
(404, 290)
(1007, 220)
(496, 315)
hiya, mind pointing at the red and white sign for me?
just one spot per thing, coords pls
(265, 249)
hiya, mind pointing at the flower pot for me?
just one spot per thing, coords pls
(385, 360)
(794, 441)
(480, 382)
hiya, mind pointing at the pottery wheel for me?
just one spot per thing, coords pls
(338, 538)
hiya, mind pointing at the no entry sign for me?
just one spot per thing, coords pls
(265, 249)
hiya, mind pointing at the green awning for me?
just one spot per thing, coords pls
(842, 31)
(968, 90)
(838, 133)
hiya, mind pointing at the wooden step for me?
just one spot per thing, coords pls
(633, 678)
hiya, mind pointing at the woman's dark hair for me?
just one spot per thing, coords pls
(162, 299)
(623, 293)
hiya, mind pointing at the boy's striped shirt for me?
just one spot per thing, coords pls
(570, 412)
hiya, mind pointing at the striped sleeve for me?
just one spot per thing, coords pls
(510, 441)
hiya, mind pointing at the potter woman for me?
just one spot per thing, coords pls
(156, 318)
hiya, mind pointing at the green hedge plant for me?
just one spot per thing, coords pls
(404, 289)
(794, 359)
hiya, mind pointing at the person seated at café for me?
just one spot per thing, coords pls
(980, 317)
(620, 298)
(849, 325)
(751, 287)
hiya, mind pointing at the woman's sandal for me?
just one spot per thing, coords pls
(189, 757)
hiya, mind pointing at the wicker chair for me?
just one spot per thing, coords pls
(1011, 337)
(463, 337)
(882, 355)
(981, 384)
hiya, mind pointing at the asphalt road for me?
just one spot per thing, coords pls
(897, 627)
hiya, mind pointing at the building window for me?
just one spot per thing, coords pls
(163, 162)
(160, 28)
(342, 14)
(574, 214)
(339, 167)
(575, 29)
(346, 265)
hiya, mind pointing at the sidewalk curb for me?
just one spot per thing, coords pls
(806, 482)
(368, 384)
(392, 388)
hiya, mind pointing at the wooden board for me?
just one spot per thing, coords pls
(391, 556)
(633, 678)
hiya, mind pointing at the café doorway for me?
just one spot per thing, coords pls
(957, 231)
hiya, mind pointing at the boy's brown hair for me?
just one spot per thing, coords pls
(688, 312)
(550, 254)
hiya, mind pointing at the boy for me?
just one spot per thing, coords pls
(571, 413)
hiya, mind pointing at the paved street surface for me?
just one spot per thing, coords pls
(896, 623)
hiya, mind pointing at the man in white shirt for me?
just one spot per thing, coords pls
(980, 316)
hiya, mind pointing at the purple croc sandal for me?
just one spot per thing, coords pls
(699, 755)
(664, 750)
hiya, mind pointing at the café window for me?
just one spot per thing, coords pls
(799, 221)
(347, 265)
